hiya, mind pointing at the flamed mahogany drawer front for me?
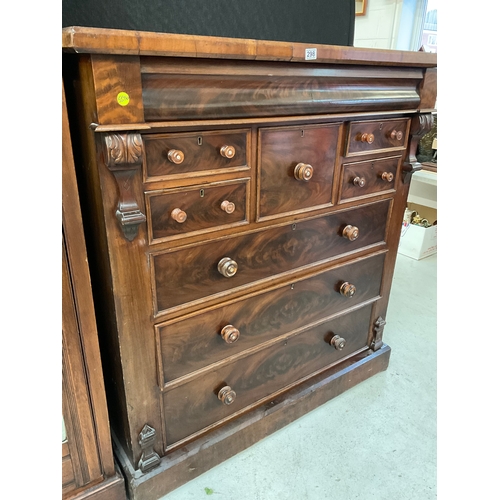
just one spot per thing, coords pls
(193, 343)
(186, 275)
(182, 211)
(176, 154)
(296, 168)
(193, 406)
(366, 137)
(369, 177)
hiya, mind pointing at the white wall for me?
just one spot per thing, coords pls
(390, 24)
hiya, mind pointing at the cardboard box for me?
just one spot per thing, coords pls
(418, 242)
(425, 212)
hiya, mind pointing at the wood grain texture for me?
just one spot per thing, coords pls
(195, 343)
(381, 131)
(428, 89)
(189, 275)
(203, 206)
(162, 303)
(112, 488)
(202, 454)
(112, 76)
(112, 41)
(194, 406)
(77, 406)
(184, 96)
(280, 151)
(68, 475)
(371, 171)
(201, 153)
(116, 263)
(87, 453)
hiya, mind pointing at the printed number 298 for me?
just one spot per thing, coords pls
(311, 54)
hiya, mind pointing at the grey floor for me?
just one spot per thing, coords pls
(376, 441)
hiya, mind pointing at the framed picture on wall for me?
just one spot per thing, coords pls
(361, 7)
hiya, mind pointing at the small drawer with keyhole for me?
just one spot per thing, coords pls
(175, 213)
(368, 178)
(296, 168)
(373, 136)
(172, 156)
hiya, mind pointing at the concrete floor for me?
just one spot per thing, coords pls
(376, 441)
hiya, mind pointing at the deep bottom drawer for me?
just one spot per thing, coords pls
(195, 405)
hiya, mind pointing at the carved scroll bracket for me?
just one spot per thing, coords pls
(149, 458)
(123, 157)
(378, 330)
(420, 125)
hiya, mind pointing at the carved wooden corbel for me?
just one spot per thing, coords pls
(123, 156)
(378, 330)
(420, 125)
(149, 458)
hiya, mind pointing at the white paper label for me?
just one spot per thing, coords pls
(311, 54)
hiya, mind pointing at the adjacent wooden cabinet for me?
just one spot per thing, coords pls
(243, 203)
(88, 468)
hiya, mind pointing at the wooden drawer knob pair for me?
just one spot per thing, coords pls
(177, 156)
(180, 216)
(370, 138)
(361, 181)
(227, 395)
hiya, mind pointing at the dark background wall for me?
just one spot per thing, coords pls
(310, 21)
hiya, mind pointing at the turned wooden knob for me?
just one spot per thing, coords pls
(359, 181)
(387, 176)
(226, 395)
(303, 172)
(227, 151)
(227, 267)
(347, 290)
(397, 134)
(230, 334)
(368, 138)
(176, 156)
(179, 215)
(227, 206)
(350, 232)
(338, 342)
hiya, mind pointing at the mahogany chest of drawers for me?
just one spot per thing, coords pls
(243, 207)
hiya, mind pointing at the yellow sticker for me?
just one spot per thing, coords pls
(123, 98)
